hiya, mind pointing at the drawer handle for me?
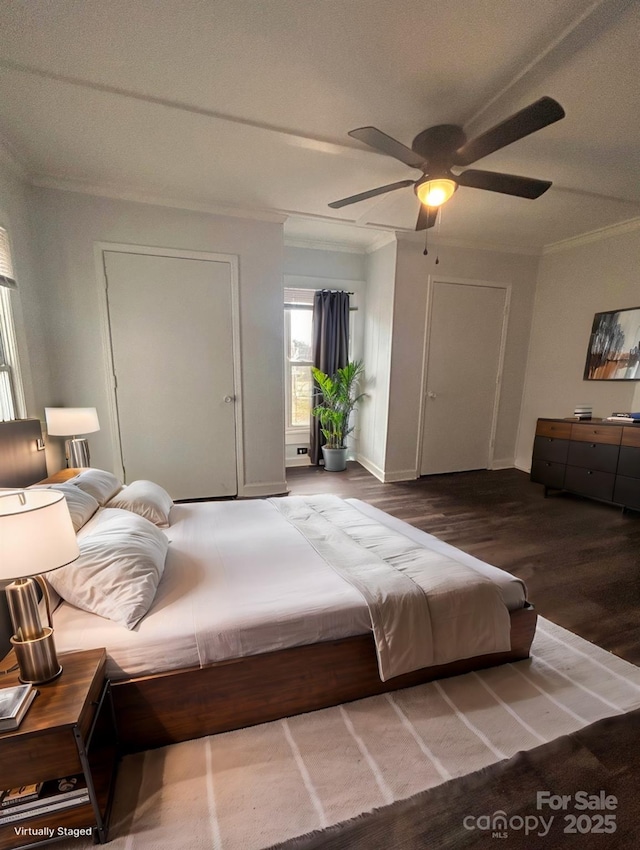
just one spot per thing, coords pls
(593, 445)
(549, 439)
(589, 472)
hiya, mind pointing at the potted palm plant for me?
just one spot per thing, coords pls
(339, 396)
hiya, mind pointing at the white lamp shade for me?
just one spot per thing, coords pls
(36, 533)
(70, 421)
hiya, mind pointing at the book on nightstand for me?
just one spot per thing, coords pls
(14, 704)
(22, 794)
(35, 800)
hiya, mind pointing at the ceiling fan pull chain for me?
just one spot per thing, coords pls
(438, 221)
(426, 239)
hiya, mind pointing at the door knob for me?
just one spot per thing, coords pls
(228, 399)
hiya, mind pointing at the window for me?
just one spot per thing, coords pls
(298, 311)
(11, 397)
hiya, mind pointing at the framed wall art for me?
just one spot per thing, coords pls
(614, 346)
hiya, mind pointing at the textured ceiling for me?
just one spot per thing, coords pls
(246, 104)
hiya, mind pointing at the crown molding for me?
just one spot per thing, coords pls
(9, 158)
(607, 232)
(141, 197)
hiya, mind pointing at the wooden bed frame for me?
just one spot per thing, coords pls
(165, 708)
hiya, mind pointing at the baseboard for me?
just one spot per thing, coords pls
(387, 477)
(303, 460)
(400, 475)
(523, 467)
(503, 463)
(255, 491)
(371, 467)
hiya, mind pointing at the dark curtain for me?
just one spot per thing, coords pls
(330, 350)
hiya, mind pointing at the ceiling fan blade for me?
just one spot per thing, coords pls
(507, 184)
(426, 217)
(381, 142)
(533, 117)
(381, 190)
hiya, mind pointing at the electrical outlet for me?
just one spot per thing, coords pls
(302, 450)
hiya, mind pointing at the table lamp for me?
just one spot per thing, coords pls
(36, 536)
(69, 422)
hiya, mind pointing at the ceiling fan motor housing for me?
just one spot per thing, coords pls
(437, 144)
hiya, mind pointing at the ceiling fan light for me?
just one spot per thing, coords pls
(434, 193)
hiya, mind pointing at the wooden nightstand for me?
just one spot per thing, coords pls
(63, 475)
(69, 729)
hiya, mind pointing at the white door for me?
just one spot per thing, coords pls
(171, 328)
(463, 366)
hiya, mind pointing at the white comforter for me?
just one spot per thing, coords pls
(426, 608)
(241, 580)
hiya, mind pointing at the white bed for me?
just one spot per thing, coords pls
(240, 580)
(251, 622)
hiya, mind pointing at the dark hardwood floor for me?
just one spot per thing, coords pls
(580, 559)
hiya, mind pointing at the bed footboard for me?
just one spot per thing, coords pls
(153, 711)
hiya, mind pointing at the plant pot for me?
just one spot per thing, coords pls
(335, 460)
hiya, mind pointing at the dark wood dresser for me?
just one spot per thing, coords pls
(594, 458)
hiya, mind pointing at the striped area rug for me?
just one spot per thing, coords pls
(251, 788)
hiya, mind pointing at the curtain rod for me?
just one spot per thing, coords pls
(309, 307)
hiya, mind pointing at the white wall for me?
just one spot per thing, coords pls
(27, 313)
(573, 284)
(69, 224)
(57, 318)
(317, 262)
(378, 327)
(409, 321)
(317, 268)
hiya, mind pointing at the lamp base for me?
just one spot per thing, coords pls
(37, 658)
(77, 452)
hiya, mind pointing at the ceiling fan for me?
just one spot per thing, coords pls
(438, 149)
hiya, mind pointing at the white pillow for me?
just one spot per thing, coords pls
(100, 484)
(117, 574)
(146, 499)
(82, 506)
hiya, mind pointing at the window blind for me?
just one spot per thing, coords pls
(7, 277)
(298, 297)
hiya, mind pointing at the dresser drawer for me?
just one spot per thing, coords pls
(631, 435)
(589, 482)
(553, 428)
(548, 473)
(629, 462)
(589, 433)
(599, 456)
(550, 448)
(627, 492)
